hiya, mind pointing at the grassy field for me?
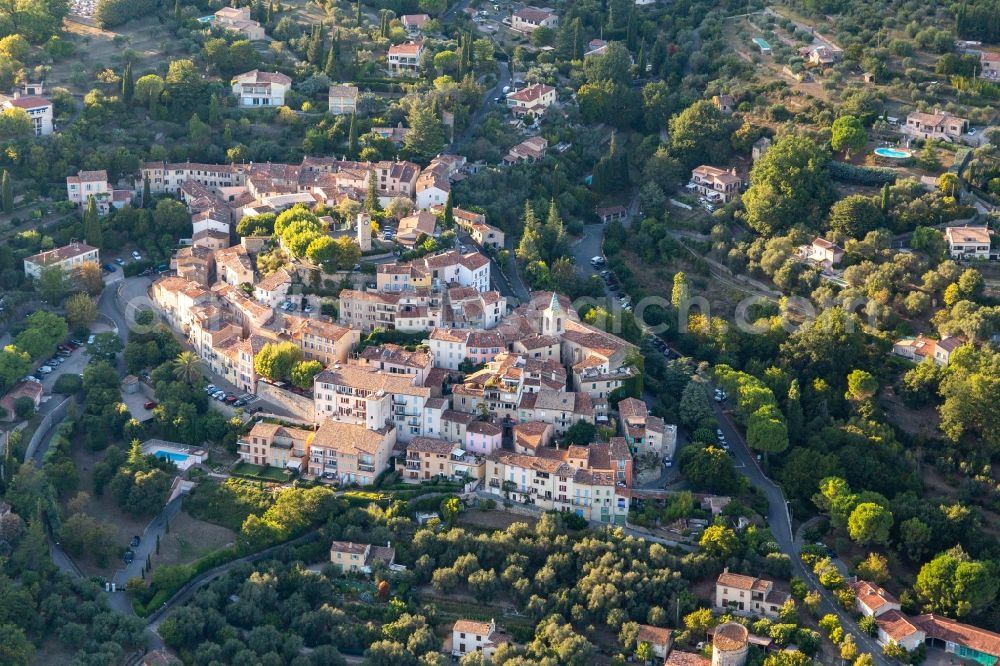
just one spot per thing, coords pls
(260, 472)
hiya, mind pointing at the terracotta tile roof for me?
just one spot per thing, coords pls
(61, 254)
(730, 636)
(536, 463)
(951, 631)
(431, 445)
(738, 581)
(407, 49)
(654, 635)
(484, 428)
(369, 379)
(968, 235)
(455, 416)
(533, 14)
(531, 93)
(460, 335)
(350, 92)
(257, 76)
(681, 658)
(472, 627)
(872, 596)
(896, 625)
(29, 102)
(275, 280)
(348, 547)
(416, 20)
(348, 437)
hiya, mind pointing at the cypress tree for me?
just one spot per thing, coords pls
(449, 211)
(314, 52)
(371, 199)
(6, 193)
(328, 68)
(177, 10)
(147, 196)
(641, 62)
(358, 11)
(92, 223)
(630, 29)
(886, 200)
(128, 84)
(352, 136)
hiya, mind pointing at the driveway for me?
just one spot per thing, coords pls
(147, 545)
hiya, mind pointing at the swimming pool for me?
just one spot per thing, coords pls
(206, 19)
(762, 43)
(893, 153)
(171, 456)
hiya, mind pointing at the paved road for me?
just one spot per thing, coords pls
(780, 522)
(503, 80)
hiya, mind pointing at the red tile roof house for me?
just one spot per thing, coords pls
(895, 627)
(872, 600)
(530, 150)
(532, 101)
(32, 390)
(659, 639)
(966, 641)
(414, 23)
(714, 183)
(256, 88)
(529, 19)
(404, 58)
(608, 213)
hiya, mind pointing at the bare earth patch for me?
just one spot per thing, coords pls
(499, 520)
(104, 509)
(191, 539)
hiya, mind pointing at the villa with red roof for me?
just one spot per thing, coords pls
(529, 19)
(531, 101)
(38, 109)
(404, 58)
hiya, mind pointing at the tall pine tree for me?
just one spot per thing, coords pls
(147, 195)
(128, 83)
(449, 211)
(352, 137)
(372, 204)
(530, 247)
(92, 224)
(554, 234)
(6, 193)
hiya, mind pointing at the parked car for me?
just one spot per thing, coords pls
(119, 261)
(90, 340)
(239, 403)
(210, 388)
(134, 543)
(110, 268)
(149, 404)
(230, 399)
(45, 370)
(136, 255)
(128, 557)
(307, 308)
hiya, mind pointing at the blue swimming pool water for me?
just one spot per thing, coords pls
(171, 456)
(893, 153)
(206, 19)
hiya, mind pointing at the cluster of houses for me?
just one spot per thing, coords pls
(486, 375)
(752, 596)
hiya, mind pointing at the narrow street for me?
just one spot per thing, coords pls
(779, 520)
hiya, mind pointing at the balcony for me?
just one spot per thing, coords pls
(413, 465)
(366, 468)
(242, 447)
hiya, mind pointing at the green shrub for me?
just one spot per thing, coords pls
(860, 175)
